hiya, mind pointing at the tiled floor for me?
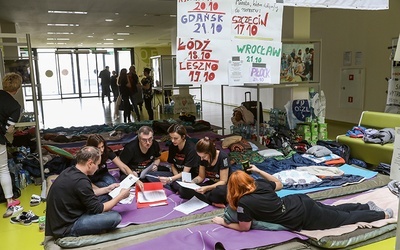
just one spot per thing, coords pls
(90, 111)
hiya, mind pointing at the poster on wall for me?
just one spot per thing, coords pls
(297, 62)
(229, 42)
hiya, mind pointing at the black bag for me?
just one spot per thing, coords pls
(337, 148)
(16, 190)
(252, 106)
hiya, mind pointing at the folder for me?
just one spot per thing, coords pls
(153, 195)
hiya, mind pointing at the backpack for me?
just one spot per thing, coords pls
(337, 148)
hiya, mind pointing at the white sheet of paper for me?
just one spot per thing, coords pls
(186, 177)
(188, 185)
(191, 205)
(126, 183)
(145, 171)
(151, 196)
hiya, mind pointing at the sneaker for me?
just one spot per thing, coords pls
(21, 219)
(35, 200)
(373, 206)
(25, 218)
(13, 203)
(389, 213)
(12, 210)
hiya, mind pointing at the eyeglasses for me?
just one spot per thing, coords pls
(144, 140)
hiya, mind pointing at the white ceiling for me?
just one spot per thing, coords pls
(150, 22)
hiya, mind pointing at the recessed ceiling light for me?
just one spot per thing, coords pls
(99, 43)
(59, 33)
(108, 43)
(90, 36)
(63, 24)
(49, 43)
(67, 12)
(108, 39)
(116, 13)
(57, 39)
(120, 39)
(109, 20)
(122, 34)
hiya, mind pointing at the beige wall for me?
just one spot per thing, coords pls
(143, 54)
(370, 32)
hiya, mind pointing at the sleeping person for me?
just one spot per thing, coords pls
(256, 200)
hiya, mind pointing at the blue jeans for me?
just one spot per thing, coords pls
(106, 180)
(95, 223)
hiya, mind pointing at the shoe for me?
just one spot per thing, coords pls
(373, 206)
(12, 210)
(388, 213)
(35, 200)
(13, 203)
(21, 219)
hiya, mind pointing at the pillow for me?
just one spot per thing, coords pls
(240, 146)
(230, 140)
(58, 151)
(270, 152)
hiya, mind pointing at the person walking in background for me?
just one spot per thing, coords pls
(10, 111)
(105, 83)
(125, 91)
(114, 85)
(134, 81)
(147, 84)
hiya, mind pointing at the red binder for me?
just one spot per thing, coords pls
(148, 186)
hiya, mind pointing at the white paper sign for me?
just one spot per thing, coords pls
(257, 20)
(200, 19)
(395, 165)
(397, 54)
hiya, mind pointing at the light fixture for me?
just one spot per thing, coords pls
(108, 43)
(108, 39)
(90, 36)
(122, 34)
(63, 24)
(67, 12)
(59, 33)
(58, 39)
(109, 20)
(120, 39)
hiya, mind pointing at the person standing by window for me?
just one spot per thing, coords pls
(134, 81)
(125, 91)
(147, 84)
(105, 83)
(114, 85)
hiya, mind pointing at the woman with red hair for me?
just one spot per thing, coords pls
(256, 200)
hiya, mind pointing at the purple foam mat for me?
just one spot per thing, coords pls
(132, 215)
(208, 236)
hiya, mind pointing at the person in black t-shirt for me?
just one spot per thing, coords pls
(257, 200)
(182, 156)
(10, 110)
(142, 152)
(214, 166)
(147, 84)
(102, 178)
(72, 207)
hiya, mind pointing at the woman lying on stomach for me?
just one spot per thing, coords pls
(256, 200)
